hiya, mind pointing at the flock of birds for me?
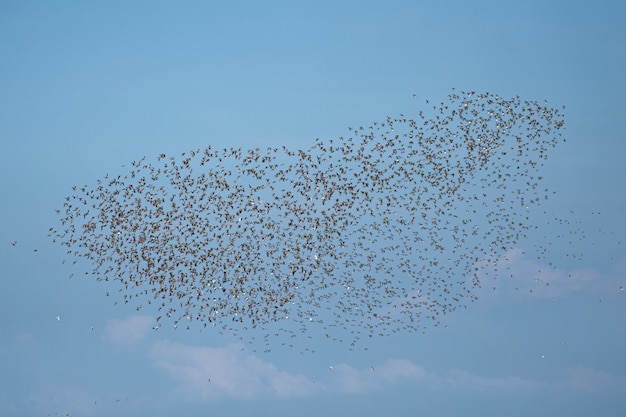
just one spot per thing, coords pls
(382, 231)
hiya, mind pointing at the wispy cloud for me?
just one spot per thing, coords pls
(130, 330)
(585, 379)
(205, 372)
(514, 272)
(460, 378)
(356, 381)
(395, 371)
(401, 371)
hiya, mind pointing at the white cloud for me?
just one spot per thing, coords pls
(392, 371)
(462, 378)
(205, 372)
(209, 373)
(130, 330)
(587, 379)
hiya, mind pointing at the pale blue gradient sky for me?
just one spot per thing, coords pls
(87, 88)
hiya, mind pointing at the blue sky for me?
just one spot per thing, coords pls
(88, 88)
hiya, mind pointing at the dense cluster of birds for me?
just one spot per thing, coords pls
(380, 231)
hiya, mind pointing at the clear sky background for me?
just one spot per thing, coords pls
(86, 88)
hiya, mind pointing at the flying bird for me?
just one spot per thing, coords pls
(382, 230)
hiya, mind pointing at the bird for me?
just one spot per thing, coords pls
(381, 230)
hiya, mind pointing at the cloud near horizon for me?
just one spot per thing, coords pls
(577, 379)
(206, 372)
